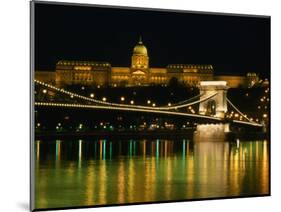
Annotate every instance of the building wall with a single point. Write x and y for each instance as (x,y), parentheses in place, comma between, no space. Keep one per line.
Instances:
(82,72)
(97,73)
(233,81)
(190,74)
(46,76)
(158,76)
(138,74)
(252,79)
(120,76)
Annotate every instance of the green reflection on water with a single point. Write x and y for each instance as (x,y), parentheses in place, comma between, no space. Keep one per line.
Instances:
(78,173)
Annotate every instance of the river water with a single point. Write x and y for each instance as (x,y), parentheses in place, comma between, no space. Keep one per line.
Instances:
(70,173)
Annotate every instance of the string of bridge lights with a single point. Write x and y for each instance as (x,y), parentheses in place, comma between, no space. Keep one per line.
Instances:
(50,104)
(122,108)
(169,107)
(126,106)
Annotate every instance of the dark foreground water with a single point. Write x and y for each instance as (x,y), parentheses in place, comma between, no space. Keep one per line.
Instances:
(72,173)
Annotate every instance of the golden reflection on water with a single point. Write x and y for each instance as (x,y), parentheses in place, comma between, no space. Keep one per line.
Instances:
(58,150)
(102,179)
(110,172)
(131,177)
(264,168)
(37,151)
(121,185)
(90,185)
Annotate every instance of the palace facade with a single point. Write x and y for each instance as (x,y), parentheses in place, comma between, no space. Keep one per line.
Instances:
(138,74)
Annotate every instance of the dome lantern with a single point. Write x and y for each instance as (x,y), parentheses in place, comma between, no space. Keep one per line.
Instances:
(140,49)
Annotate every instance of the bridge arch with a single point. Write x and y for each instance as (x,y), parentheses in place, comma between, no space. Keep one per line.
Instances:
(211,107)
(217,105)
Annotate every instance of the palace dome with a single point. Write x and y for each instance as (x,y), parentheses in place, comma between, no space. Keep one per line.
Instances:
(140,49)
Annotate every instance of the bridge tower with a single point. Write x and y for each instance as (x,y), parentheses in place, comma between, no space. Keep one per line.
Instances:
(217,105)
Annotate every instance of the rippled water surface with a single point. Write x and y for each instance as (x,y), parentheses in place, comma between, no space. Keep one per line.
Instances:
(95,172)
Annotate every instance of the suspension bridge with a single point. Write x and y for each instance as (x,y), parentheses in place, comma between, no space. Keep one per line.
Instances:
(212,100)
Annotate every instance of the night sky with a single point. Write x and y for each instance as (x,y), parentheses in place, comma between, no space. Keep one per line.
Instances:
(232,44)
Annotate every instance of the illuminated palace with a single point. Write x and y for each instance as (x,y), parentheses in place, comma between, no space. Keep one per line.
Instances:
(138,74)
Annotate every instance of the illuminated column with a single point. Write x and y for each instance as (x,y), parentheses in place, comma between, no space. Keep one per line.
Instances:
(217,105)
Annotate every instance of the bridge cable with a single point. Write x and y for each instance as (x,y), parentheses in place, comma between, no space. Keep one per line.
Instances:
(188,100)
(125,105)
(125,109)
(239,111)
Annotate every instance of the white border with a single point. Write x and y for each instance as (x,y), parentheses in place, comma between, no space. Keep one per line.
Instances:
(14,116)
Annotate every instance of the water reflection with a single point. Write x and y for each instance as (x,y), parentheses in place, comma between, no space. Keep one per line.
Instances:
(37,151)
(58,153)
(94,172)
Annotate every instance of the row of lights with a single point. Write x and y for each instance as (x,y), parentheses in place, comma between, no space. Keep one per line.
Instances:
(109,107)
(240,117)
(113,104)
(190,108)
(122,98)
(111,127)
(237,116)
(108,123)
(92,95)
(104,99)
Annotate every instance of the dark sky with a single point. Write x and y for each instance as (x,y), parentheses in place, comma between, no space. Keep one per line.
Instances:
(232,44)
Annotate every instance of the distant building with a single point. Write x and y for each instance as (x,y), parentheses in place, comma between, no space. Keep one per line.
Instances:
(138,74)
(233,81)
(252,79)
(82,72)
(46,76)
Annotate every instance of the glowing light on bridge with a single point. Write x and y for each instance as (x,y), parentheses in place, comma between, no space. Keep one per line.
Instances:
(139,110)
(149,109)
(172,107)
